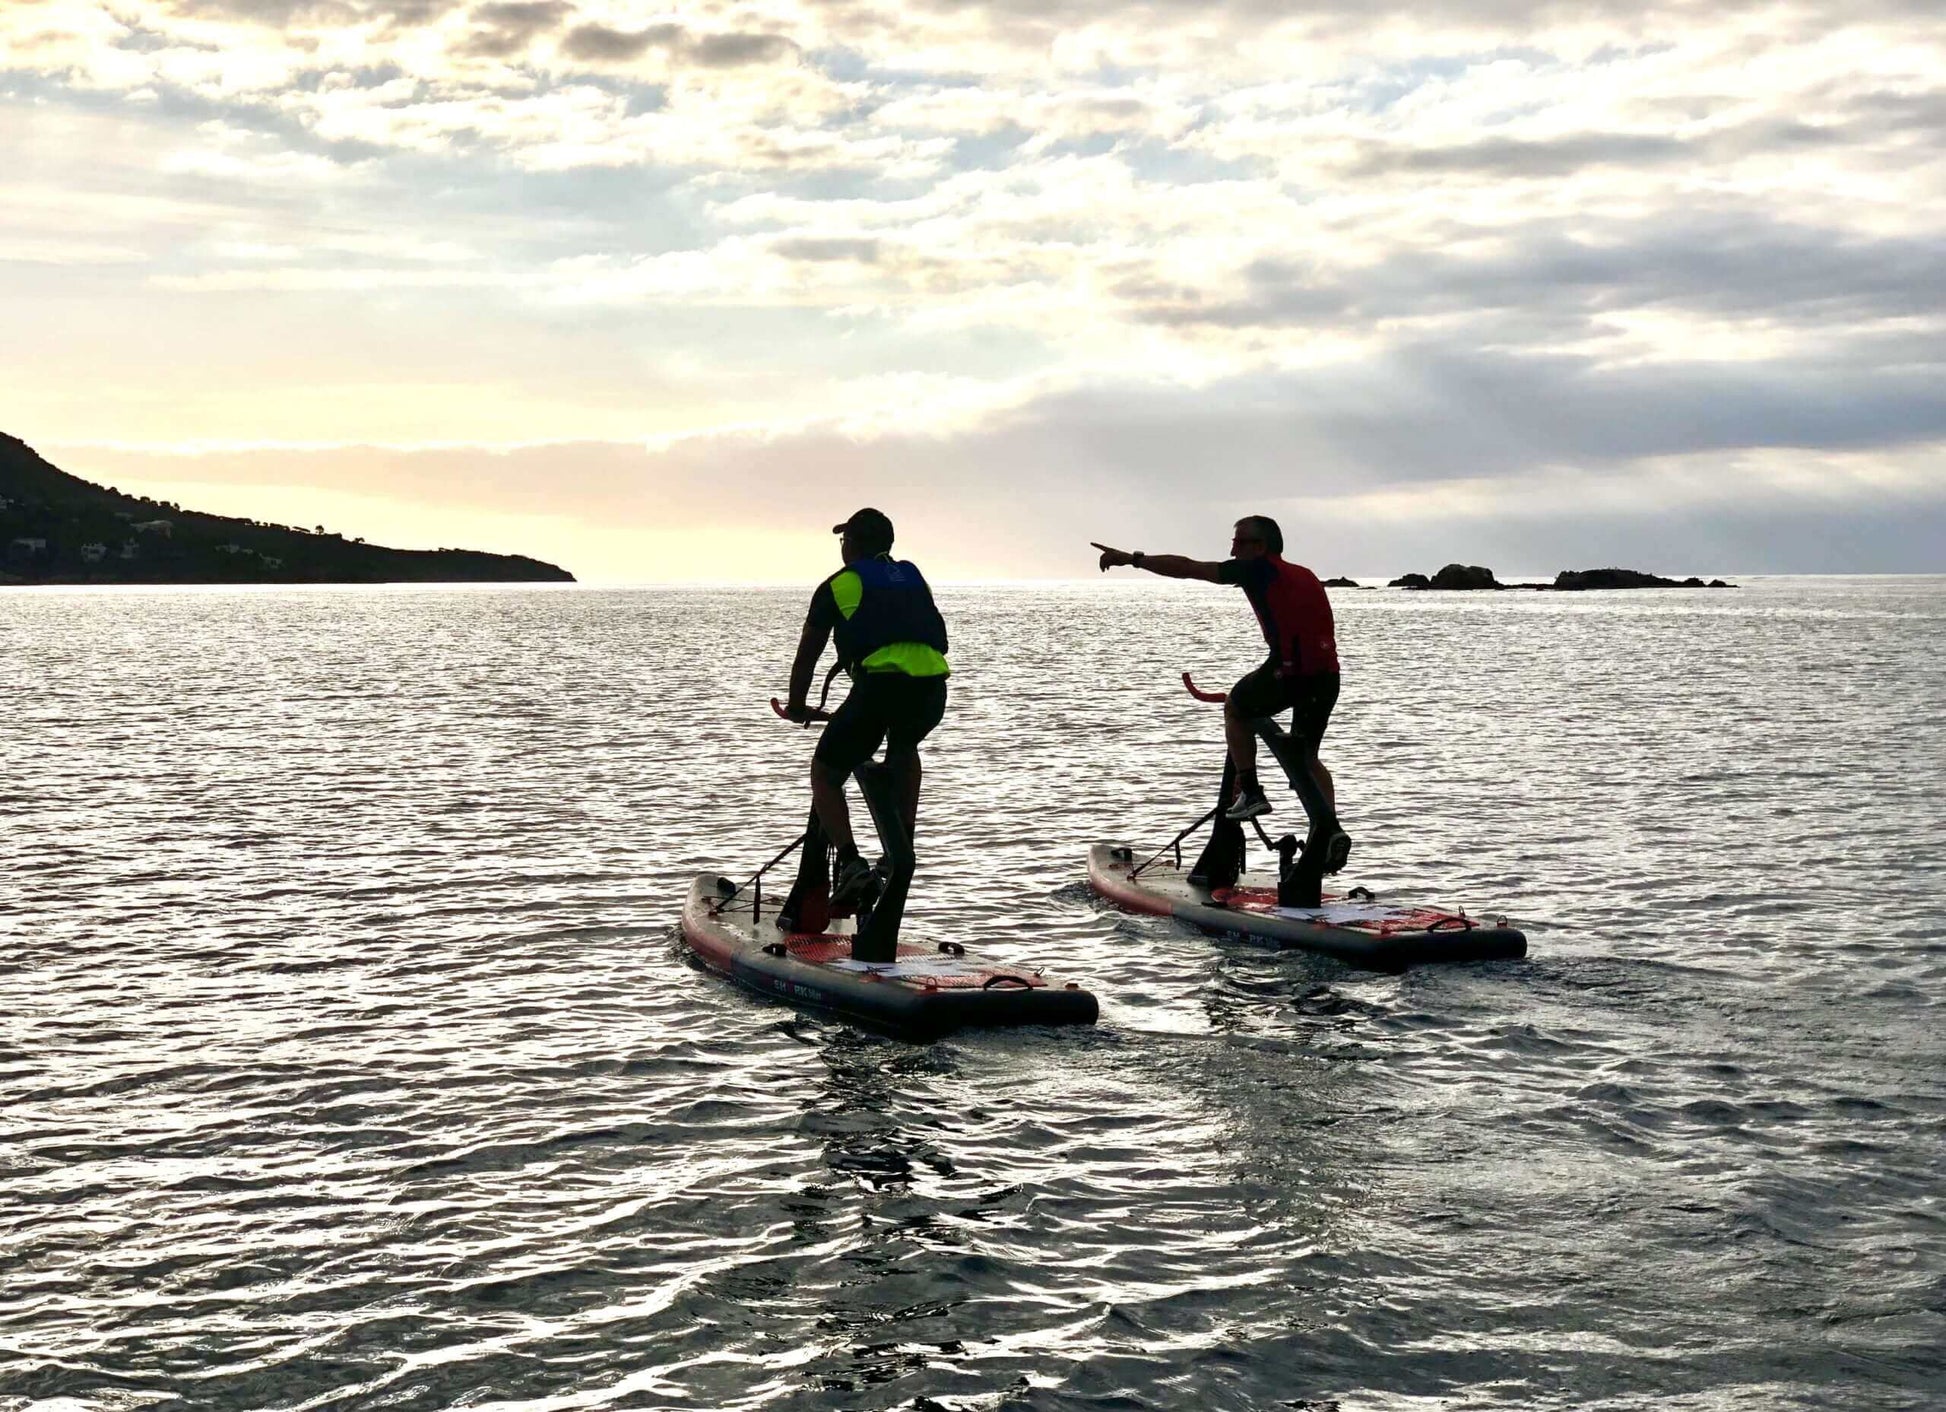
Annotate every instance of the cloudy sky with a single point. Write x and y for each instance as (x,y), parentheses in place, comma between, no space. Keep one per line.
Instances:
(661,293)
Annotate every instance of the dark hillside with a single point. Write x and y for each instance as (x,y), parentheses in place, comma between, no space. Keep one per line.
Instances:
(58,528)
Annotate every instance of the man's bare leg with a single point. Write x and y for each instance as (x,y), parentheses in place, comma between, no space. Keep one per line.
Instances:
(1325,782)
(828,798)
(1243,745)
(907,773)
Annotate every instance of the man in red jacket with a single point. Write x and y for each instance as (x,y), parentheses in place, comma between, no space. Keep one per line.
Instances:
(1300,675)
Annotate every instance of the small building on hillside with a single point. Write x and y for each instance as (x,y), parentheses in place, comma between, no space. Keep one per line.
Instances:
(161,527)
(94,553)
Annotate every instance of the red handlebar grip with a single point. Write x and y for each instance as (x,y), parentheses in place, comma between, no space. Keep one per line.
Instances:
(1214,697)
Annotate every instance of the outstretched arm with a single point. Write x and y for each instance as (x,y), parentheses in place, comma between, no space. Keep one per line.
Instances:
(1170,566)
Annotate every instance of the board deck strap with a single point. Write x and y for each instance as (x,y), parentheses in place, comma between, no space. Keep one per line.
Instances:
(1362,932)
(924,994)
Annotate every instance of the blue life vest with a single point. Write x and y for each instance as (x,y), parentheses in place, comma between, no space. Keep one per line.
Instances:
(883,604)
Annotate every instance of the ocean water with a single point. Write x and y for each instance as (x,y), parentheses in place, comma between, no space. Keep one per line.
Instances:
(349,1058)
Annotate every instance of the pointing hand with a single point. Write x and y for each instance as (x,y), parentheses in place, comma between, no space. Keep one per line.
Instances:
(1111,558)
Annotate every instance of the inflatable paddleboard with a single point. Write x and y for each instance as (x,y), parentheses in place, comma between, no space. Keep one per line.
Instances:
(928,992)
(1354,927)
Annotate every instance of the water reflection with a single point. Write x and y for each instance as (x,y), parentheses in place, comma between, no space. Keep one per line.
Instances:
(344,1061)
(886,1305)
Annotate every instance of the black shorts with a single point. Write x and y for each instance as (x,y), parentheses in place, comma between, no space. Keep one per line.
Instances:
(1265,692)
(881,706)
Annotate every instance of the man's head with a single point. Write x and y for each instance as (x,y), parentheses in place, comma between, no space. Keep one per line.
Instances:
(1256,536)
(866,533)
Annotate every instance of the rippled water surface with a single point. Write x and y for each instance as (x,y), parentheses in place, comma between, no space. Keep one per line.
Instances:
(348,1057)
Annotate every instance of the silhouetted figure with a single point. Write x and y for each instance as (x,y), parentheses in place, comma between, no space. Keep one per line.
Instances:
(892,642)
(1300,675)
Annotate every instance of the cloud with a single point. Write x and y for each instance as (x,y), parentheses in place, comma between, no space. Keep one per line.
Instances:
(818,249)
(1707,266)
(1420,250)
(600,44)
(729,51)
(632,515)
(503,30)
(281,14)
(1410,449)
(1522,158)
(1433,413)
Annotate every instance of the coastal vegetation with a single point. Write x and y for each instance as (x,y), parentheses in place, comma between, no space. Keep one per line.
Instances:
(59,528)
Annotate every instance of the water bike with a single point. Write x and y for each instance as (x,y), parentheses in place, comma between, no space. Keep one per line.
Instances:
(1291,909)
(847,959)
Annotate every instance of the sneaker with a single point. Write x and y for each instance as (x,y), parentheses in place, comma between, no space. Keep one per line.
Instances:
(1337,852)
(853,873)
(1250,804)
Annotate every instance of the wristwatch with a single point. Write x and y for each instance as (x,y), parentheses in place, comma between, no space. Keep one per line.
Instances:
(1136,558)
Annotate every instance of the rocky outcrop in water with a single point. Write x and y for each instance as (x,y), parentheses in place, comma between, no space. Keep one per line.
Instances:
(1469,576)
(1453,576)
(1579,580)
(58,528)
(1464,576)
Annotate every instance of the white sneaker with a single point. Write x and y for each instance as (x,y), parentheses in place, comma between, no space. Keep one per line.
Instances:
(1249,804)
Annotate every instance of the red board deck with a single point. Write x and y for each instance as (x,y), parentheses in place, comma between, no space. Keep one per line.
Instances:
(928,992)
(1363,932)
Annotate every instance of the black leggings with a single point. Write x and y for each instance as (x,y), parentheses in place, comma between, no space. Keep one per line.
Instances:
(881,706)
(1310,699)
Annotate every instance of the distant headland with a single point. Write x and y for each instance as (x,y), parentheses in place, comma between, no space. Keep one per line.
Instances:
(1457,577)
(56,528)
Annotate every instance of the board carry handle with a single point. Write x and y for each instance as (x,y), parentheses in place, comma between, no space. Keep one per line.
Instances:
(1002,978)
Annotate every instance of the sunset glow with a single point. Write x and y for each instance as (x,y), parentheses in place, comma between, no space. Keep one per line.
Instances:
(655,292)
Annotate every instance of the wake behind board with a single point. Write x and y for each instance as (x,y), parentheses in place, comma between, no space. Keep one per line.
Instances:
(926,993)
(1361,931)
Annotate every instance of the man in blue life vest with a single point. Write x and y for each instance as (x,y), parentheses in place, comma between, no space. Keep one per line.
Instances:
(1299,676)
(892,642)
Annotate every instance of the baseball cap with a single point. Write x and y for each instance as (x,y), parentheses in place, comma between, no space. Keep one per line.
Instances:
(868,526)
